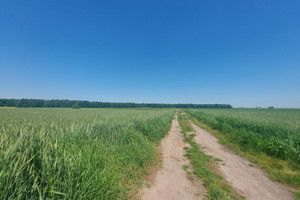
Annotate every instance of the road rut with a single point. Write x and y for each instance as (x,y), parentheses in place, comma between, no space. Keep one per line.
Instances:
(172,182)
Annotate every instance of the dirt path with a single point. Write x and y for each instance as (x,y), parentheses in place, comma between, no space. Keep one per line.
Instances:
(251,182)
(171,182)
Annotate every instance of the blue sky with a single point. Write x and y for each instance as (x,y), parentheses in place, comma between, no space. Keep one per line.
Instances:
(244,53)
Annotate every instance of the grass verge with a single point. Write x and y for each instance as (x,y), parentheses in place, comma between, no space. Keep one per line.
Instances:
(205,167)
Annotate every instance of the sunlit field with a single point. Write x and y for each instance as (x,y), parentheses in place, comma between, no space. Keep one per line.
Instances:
(77,153)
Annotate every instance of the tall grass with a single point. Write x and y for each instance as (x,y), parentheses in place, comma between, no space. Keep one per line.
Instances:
(77,154)
(275,132)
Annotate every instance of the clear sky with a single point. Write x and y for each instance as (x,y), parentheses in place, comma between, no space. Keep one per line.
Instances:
(244,53)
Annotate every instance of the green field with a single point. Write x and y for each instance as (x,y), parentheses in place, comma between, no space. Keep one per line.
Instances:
(269,137)
(96,153)
(77,154)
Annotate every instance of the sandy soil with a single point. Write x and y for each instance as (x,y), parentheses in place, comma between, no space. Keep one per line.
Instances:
(172,182)
(249,181)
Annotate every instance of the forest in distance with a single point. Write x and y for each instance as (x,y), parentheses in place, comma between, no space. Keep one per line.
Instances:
(55,103)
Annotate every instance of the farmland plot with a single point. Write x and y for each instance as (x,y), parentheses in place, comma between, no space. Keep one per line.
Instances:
(77,154)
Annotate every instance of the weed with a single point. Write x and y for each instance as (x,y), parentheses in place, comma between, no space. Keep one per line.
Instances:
(217,159)
(185,167)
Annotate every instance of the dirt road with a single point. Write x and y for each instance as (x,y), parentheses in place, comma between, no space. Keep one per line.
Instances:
(172,182)
(251,182)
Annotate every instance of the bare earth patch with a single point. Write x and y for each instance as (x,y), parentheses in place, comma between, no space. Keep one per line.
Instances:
(246,179)
(172,182)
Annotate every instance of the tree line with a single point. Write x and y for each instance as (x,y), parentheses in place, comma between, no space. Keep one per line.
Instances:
(40,103)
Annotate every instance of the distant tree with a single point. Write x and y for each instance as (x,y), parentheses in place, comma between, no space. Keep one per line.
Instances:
(23,103)
(56,103)
(37,103)
(76,106)
(270,107)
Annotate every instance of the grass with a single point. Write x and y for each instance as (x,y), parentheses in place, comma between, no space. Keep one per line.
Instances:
(218,159)
(185,167)
(77,153)
(265,137)
(205,167)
